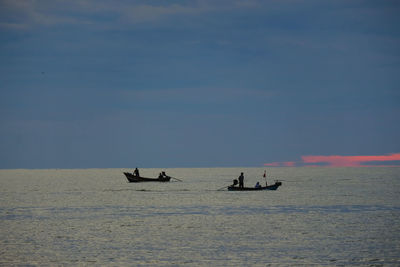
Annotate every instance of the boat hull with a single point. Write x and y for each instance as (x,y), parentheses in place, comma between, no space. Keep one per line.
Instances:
(269,187)
(138,179)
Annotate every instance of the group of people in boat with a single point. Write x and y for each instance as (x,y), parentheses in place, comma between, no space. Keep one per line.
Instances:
(240,181)
(160,176)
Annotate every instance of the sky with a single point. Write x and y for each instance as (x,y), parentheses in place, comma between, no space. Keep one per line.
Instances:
(207,83)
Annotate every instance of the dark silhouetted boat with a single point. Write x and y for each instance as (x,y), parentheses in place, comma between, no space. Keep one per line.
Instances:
(268,187)
(138,179)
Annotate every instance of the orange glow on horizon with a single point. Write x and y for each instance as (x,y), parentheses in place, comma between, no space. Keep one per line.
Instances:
(349,161)
(339,161)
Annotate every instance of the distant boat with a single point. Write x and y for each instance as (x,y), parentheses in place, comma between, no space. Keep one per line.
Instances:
(138,179)
(268,187)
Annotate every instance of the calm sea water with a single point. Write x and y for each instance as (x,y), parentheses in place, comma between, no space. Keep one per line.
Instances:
(319,216)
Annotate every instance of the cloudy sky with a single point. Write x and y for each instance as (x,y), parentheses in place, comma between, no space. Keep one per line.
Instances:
(207,83)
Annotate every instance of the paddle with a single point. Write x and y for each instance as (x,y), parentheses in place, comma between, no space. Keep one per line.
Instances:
(222,188)
(176,179)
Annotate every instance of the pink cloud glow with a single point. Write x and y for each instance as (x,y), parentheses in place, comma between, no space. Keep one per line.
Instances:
(339,161)
(349,161)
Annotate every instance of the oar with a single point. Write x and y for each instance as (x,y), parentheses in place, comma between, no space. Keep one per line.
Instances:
(222,188)
(176,179)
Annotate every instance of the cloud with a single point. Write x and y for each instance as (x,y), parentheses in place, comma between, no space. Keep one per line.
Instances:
(148,13)
(350,161)
(342,161)
(25,14)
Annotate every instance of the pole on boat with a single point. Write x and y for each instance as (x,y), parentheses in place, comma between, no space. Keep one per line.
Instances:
(176,179)
(265,177)
(222,188)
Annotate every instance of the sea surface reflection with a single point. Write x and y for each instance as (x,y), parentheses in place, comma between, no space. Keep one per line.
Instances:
(320,216)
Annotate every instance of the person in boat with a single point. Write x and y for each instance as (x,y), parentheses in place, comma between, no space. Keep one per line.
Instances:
(162,175)
(257,185)
(241,180)
(235,182)
(136,172)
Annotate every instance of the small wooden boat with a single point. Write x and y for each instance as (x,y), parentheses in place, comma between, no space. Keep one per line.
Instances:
(268,187)
(138,179)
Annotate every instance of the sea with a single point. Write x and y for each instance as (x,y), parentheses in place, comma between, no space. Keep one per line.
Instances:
(320,216)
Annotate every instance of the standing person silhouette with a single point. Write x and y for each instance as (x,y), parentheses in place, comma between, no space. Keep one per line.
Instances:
(241,180)
(136,172)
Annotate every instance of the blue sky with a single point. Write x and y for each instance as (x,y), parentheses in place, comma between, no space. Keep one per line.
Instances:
(99,84)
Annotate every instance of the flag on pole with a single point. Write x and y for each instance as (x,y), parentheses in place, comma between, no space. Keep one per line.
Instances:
(265,173)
